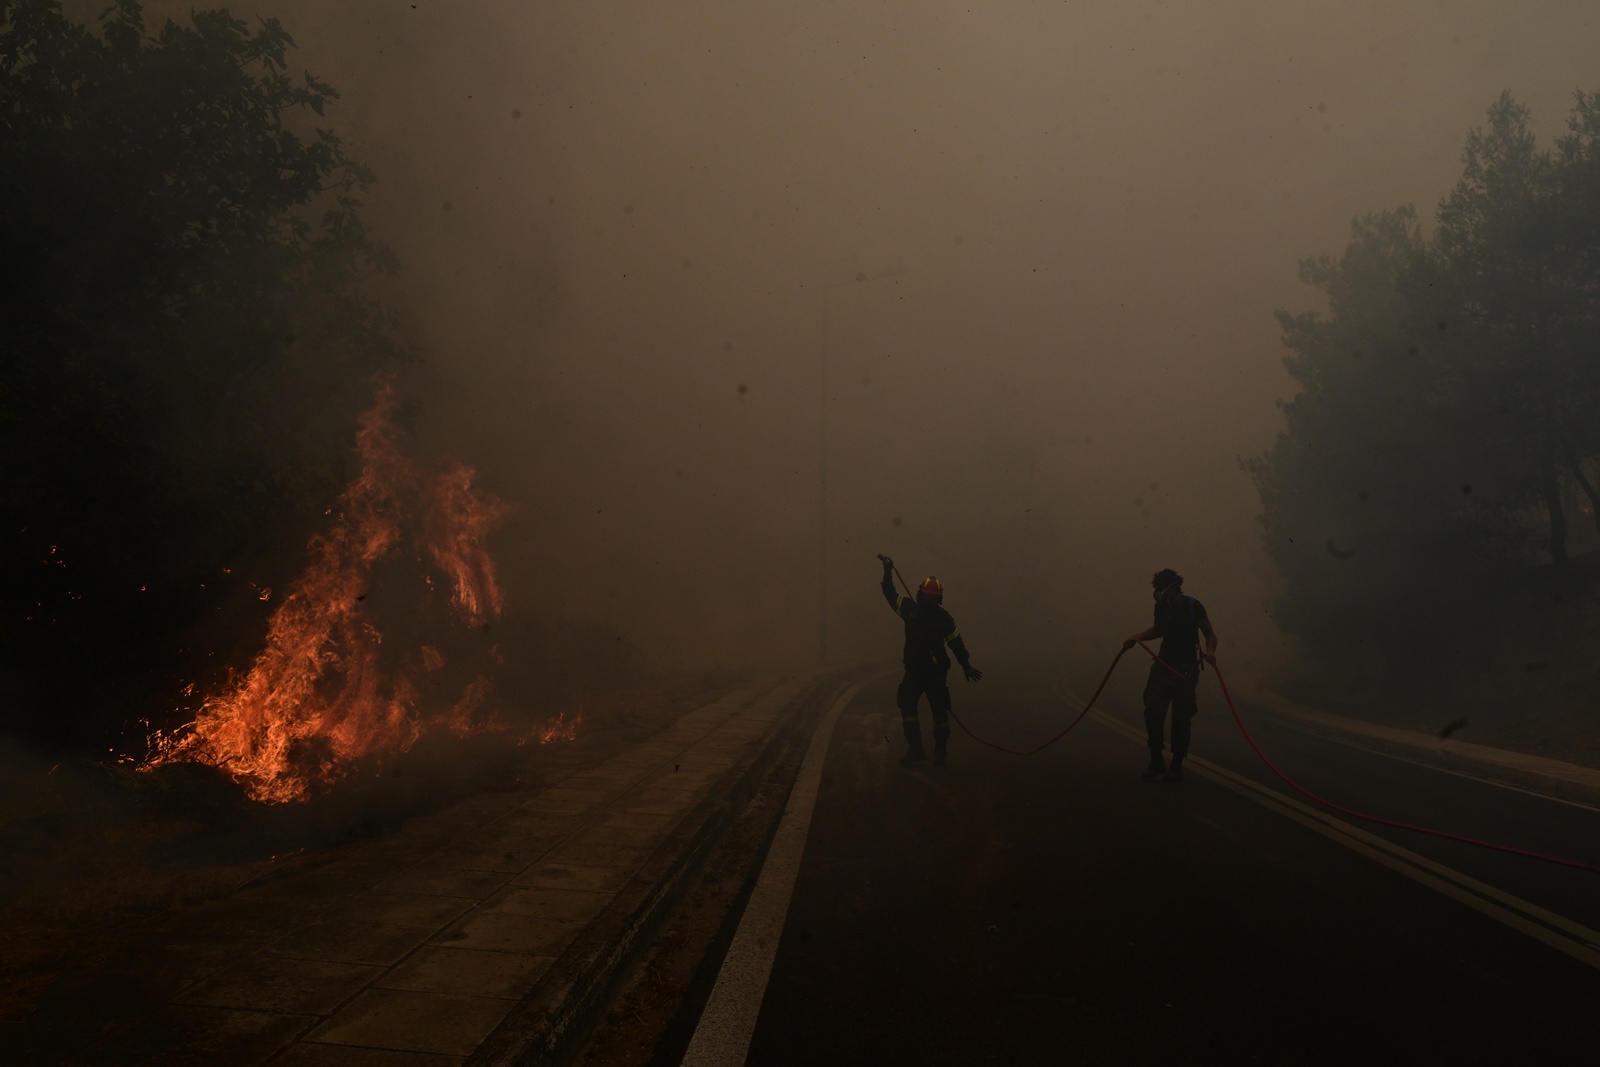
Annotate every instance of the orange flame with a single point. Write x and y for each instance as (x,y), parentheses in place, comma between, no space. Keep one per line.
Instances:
(560,728)
(319,697)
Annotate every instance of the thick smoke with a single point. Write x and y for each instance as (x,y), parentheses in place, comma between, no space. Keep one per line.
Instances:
(633,237)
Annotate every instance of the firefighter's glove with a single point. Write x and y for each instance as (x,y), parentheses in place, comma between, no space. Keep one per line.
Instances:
(973,673)
(1129,643)
(888,564)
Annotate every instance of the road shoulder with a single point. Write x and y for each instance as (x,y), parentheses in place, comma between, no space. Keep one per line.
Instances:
(1547,777)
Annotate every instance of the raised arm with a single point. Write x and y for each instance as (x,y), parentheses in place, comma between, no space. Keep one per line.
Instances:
(896,602)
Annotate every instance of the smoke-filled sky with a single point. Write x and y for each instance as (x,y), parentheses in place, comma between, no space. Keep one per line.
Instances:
(633,234)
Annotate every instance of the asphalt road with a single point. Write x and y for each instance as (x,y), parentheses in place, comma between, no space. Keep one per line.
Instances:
(1057,909)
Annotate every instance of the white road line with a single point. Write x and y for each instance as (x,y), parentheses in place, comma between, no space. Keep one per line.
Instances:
(1560,933)
(1348,742)
(722,1037)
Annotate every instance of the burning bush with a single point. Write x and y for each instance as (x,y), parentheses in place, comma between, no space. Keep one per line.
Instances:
(381,640)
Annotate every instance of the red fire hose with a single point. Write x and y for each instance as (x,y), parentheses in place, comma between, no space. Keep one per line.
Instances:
(1363,816)
(1290,782)
(1040,747)
(1057,737)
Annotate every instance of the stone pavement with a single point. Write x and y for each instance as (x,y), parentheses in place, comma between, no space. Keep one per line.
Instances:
(1536,774)
(493,942)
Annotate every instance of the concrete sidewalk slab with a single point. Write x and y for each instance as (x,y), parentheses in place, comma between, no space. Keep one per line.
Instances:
(1536,774)
(492,930)
(551,1021)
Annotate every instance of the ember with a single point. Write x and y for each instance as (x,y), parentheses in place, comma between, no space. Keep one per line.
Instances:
(326,693)
(560,728)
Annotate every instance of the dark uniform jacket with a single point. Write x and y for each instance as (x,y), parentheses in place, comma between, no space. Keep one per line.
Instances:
(1179,625)
(928,629)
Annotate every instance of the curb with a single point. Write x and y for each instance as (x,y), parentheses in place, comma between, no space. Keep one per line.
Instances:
(1547,777)
(551,1022)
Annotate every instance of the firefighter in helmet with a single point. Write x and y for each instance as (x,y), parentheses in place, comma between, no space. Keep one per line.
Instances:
(928,629)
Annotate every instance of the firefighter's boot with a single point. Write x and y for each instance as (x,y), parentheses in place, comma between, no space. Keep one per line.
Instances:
(1156,769)
(913,731)
(1174,773)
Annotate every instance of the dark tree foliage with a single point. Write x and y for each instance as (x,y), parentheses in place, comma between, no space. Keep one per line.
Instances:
(1500,234)
(186,339)
(1448,412)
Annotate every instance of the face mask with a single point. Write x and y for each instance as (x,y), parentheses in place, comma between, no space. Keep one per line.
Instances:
(1161,594)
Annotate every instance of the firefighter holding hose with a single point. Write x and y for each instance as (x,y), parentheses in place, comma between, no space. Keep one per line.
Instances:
(1179,622)
(929,628)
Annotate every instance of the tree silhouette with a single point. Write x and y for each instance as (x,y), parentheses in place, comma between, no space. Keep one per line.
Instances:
(1448,410)
(188,333)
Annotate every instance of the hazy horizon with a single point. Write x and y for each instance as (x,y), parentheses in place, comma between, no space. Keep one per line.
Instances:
(620,226)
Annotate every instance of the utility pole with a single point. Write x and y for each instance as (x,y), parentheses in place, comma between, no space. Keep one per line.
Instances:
(822,484)
(822,456)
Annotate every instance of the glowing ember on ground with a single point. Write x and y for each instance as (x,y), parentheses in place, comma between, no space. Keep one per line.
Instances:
(326,691)
(560,728)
